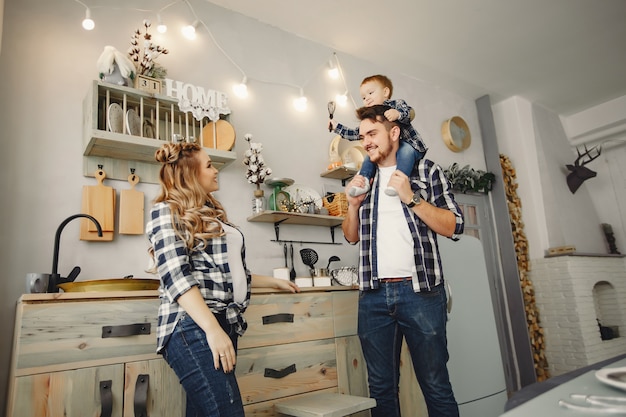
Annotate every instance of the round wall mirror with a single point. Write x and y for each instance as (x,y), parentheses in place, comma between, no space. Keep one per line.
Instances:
(456,134)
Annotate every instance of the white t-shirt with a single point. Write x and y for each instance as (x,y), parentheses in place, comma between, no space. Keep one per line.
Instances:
(234,244)
(394,243)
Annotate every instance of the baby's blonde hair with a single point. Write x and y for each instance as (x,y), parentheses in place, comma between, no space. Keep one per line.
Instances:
(382,79)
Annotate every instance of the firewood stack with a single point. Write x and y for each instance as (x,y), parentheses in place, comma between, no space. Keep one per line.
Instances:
(523,265)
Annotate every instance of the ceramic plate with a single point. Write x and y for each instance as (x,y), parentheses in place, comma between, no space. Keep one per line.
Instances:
(615,377)
(353,157)
(133,123)
(115,118)
(333,152)
(148,129)
(302,192)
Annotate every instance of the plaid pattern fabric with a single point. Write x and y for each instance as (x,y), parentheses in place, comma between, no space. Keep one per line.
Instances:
(206,268)
(407,131)
(429,179)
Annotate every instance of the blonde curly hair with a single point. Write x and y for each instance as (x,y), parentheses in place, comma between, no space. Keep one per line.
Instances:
(195,213)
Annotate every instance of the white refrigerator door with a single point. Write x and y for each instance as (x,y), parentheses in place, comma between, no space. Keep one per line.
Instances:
(475,365)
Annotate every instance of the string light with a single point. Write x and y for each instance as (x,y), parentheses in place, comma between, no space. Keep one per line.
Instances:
(300,103)
(161,27)
(240,90)
(189,31)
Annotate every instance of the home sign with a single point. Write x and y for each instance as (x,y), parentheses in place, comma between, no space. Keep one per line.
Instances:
(200,102)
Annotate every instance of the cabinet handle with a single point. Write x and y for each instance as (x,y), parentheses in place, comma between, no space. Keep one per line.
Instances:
(278,318)
(125,330)
(106,398)
(273,373)
(141,395)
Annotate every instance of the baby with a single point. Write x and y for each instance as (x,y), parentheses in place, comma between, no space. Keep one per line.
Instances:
(377,89)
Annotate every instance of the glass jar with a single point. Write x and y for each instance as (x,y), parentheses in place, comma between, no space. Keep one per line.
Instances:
(258,202)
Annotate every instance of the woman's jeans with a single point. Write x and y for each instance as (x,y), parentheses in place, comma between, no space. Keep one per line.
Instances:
(210,391)
(388,314)
(406,158)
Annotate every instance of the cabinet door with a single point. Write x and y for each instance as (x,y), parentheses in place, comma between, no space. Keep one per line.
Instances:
(154,387)
(74,393)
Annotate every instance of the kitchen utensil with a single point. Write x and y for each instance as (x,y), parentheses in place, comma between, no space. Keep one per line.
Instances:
(131,209)
(309,258)
(278,196)
(99,202)
(285,253)
(292,273)
(218,135)
(115,284)
(346,275)
(331,113)
(332,259)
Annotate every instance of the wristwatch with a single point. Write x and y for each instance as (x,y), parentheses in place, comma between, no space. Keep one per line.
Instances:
(417,199)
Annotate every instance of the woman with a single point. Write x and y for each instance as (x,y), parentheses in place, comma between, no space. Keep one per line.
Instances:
(205,285)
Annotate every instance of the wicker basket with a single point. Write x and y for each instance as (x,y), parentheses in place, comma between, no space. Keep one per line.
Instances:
(337,204)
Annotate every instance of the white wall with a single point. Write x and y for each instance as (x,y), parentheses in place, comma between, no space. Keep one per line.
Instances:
(47,65)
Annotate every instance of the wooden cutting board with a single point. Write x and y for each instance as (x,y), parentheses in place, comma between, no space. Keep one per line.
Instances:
(220,133)
(131,209)
(99,202)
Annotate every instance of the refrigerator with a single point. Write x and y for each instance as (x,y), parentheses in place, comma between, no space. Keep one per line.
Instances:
(475,365)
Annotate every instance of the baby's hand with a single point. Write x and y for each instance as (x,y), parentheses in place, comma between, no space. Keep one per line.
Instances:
(392,115)
(331,125)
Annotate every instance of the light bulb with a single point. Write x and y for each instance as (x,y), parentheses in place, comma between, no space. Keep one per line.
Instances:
(189,31)
(341,99)
(241,90)
(300,103)
(161,27)
(333,71)
(88,24)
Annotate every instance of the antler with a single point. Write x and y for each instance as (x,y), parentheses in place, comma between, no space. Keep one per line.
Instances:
(588,153)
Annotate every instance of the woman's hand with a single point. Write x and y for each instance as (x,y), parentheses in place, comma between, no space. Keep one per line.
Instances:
(223,350)
(264,281)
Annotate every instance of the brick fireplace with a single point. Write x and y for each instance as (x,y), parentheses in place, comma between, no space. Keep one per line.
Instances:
(573,292)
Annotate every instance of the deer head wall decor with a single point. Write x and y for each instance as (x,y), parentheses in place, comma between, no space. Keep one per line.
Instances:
(579,172)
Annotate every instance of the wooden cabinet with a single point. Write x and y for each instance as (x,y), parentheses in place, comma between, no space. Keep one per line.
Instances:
(78,354)
(299,344)
(123,127)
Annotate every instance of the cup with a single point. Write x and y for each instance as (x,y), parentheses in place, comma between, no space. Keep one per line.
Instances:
(37,283)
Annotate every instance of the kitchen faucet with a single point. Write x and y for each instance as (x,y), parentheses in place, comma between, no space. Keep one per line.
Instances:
(55,278)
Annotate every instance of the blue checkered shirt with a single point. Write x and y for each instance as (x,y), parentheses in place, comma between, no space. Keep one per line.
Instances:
(179,271)
(407,131)
(429,179)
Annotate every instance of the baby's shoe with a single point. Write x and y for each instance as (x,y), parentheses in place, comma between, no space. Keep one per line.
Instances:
(357,191)
(390,191)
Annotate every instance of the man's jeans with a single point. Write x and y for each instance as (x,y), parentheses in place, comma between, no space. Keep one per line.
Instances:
(388,314)
(210,391)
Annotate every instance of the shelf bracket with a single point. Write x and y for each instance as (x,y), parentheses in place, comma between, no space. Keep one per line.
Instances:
(277,233)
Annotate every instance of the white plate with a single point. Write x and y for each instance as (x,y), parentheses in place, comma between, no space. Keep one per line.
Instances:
(148,129)
(133,123)
(115,118)
(615,377)
(333,151)
(302,192)
(353,157)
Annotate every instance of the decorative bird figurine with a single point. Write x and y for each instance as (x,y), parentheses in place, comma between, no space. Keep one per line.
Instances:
(115,67)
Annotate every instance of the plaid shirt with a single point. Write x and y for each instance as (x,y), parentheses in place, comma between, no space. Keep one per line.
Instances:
(429,179)
(179,271)
(407,131)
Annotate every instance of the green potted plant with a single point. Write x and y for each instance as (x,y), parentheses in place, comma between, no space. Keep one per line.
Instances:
(467,179)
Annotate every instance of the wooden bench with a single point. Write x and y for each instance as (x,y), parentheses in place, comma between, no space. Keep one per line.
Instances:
(325,405)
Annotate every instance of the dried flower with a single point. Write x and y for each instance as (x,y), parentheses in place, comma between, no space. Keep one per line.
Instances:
(252,158)
(143,52)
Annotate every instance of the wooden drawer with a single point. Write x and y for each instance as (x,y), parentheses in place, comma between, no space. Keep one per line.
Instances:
(71,332)
(274,319)
(268,373)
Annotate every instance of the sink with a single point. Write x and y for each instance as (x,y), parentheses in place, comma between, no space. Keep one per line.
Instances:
(114,284)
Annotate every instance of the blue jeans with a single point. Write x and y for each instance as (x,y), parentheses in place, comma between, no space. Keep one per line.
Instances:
(406,157)
(388,314)
(210,391)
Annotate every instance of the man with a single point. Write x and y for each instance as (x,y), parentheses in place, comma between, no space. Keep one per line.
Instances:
(401,280)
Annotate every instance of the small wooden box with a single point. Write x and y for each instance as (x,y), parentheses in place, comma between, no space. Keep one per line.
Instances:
(149,84)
